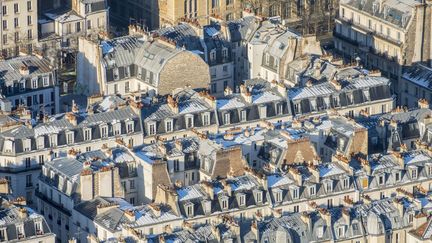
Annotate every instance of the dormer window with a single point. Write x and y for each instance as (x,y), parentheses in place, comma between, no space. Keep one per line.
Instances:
(429,169)
(341,231)
(189,121)
(212,55)
(168,125)
(69,137)
(277,195)
(329,186)
(279,109)
(263,111)
(151,127)
(20,231)
(207,206)
(398,176)
(225,52)
(345,183)
(116,128)
(241,199)
(226,118)
(34,83)
(87,134)
(116,73)
(3,234)
(26,144)
(38,227)
(258,196)
(312,190)
(22,85)
(224,202)
(414,173)
(189,208)
(206,118)
(53,139)
(295,193)
(243,116)
(130,126)
(8,146)
(40,142)
(103,130)
(45,81)
(381,179)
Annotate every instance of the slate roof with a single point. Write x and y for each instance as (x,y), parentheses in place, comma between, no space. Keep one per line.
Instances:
(419,75)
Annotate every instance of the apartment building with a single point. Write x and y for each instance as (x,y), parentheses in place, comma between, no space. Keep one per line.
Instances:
(30,82)
(415,84)
(26,147)
(132,64)
(201,12)
(19,28)
(378,33)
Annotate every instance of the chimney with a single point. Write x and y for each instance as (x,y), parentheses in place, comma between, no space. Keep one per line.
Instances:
(254,229)
(173,104)
(296,175)
(399,206)
(245,94)
(22,213)
(216,233)
(156,209)
(71,118)
(130,214)
(208,188)
(24,69)
(346,215)
(336,84)
(325,214)
(103,207)
(210,100)
(419,220)
(306,219)
(75,108)
(4,186)
(228,91)
(423,104)
(179,145)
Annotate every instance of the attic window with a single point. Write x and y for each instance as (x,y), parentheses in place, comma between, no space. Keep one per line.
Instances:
(45,81)
(130,126)
(413,173)
(345,182)
(312,190)
(341,231)
(189,209)
(278,195)
(381,179)
(295,193)
(242,199)
(258,196)
(329,186)
(224,203)
(3,234)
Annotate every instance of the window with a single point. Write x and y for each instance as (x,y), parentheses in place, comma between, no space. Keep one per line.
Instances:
(152,129)
(88,24)
(279,109)
(127,89)
(341,231)
(16,36)
(168,126)
(29,6)
(16,22)
(296,208)
(346,183)
(29,34)
(16,8)
(381,179)
(329,186)
(45,81)
(189,121)
(258,196)
(29,182)
(278,195)
(87,134)
(70,137)
(226,119)
(104,131)
(224,203)
(4,10)
(330,203)
(243,116)
(176,165)
(130,127)
(225,68)
(53,140)
(5,38)
(242,200)
(41,159)
(312,190)
(189,210)
(115,88)
(132,184)
(5,25)
(414,173)
(397,176)
(295,193)
(206,119)
(263,111)
(27,162)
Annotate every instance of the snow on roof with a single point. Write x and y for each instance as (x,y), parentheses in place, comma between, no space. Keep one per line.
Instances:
(189,193)
(330,170)
(265,97)
(278,180)
(413,158)
(230,103)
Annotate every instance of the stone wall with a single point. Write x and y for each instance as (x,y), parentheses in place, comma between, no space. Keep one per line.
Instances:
(184,69)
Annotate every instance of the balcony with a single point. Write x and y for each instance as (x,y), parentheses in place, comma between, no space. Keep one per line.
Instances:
(58,206)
